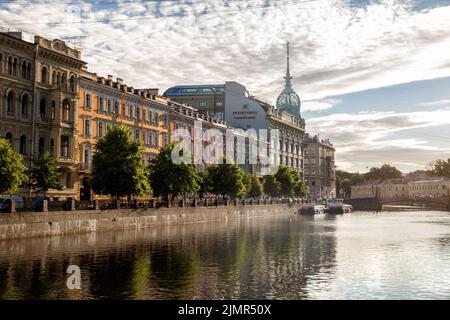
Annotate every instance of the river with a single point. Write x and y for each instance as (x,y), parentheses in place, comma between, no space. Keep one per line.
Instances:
(388,255)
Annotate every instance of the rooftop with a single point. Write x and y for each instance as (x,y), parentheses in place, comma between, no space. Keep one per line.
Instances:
(195,90)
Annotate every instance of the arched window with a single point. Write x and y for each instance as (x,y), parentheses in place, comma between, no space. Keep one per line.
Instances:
(54,80)
(42,109)
(23,144)
(44,75)
(66,110)
(24,105)
(10,102)
(63,81)
(53,111)
(52,146)
(15,66)
(10,65)
(29,71)
(72,83)
(9,137)
(1,62)
(24,70)
(41,145)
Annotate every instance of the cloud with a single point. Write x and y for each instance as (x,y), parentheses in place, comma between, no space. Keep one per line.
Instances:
(369,139)
(437,103)
(335,48)
(318,105)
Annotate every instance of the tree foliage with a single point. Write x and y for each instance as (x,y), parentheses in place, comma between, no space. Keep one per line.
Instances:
(440,168)
(384,172)
(272,186)
(168,178)
(117,165)
(255,187)
(12,171)
(44,176)
(226,179)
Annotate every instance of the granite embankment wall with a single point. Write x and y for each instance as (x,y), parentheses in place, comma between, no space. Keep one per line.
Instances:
(34,224)
(365,204)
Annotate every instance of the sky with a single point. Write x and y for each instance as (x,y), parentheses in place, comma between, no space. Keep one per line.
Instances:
(373,76)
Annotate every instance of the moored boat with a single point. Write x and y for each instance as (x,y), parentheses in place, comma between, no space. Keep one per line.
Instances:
(339,208)
(311,208)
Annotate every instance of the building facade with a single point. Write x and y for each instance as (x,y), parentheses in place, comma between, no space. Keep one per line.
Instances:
(403,189)
(105,103)
(319,167)
(39,88)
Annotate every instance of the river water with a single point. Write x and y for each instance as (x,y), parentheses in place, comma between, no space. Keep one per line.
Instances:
(389,255)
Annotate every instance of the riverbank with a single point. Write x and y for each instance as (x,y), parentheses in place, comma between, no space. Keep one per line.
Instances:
(37,224)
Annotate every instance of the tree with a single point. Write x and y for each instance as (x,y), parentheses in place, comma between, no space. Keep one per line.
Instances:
(117,165)
(44,176)
(255,188)
(226,179)
(285,177)
(299,188)
(384,172)
(168,178)
(440,168)
(12,171)
(272,186)
(346,187)
(350,178)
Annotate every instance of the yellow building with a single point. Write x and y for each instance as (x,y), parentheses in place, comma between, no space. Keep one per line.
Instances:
(105,103)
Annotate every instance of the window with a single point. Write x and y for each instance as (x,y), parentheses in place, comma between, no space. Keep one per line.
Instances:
(137,135)
(72,83)
(65,146)
(87,154)
(41,148)
(10,65)
(100,105)
(9,137)
(149,116)
(108,110)
(66,111)
(100,129)
(10,102)
(87,128)
(15,67)
(29,71)
(219,115)
(23,144)
(138,113)
(219,104)
(44,75)
(42,109)
(52,146)
(124,110)
(87,102)
(165,139)
(144,138)
(156,118)
(130,114)
(24,70)
(166,120)
(157,139)
(150,138)
(53,110)
(202,104)
(116,108)
(24,109)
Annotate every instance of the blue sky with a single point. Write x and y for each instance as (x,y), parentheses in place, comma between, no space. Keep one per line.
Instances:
(373,76)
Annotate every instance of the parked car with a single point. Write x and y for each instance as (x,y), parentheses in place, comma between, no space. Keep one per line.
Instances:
(37,202)
(5,200)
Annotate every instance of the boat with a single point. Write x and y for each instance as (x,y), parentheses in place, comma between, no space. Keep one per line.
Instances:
(311,209)
(339,208)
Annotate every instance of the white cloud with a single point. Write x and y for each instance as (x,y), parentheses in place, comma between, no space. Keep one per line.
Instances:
(318,105)
(437,103)
(336,48)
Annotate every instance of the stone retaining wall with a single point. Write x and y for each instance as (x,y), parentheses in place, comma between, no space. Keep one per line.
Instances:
(34,224)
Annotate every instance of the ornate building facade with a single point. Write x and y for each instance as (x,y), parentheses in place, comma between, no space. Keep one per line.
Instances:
(320,169)
(39,85)
(105,103)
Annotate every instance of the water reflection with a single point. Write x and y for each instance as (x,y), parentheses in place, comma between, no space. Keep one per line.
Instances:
(289,257)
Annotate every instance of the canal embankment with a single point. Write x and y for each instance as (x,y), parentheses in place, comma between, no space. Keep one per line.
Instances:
(37,224)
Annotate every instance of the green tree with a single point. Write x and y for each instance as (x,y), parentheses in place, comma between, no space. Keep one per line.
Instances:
(170,179)
(299,188)
(44,176)
(117,165)
(272,186)
(12,171)
(226,179)
(384,172)
(346,187)
(285,177)
(255,188)
(440,168)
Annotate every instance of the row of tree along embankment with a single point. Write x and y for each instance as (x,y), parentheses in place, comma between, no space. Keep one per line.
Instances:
(34,224)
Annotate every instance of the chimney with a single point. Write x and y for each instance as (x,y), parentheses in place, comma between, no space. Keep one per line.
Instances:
(119,81)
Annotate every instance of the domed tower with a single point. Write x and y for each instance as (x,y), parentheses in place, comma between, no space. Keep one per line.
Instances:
(288,100)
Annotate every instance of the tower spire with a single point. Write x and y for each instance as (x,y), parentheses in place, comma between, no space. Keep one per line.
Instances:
(288,77)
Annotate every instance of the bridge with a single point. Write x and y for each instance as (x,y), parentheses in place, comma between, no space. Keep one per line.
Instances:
(376,204)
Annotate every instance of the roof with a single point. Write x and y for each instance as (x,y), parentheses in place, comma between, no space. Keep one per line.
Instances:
(195,90)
